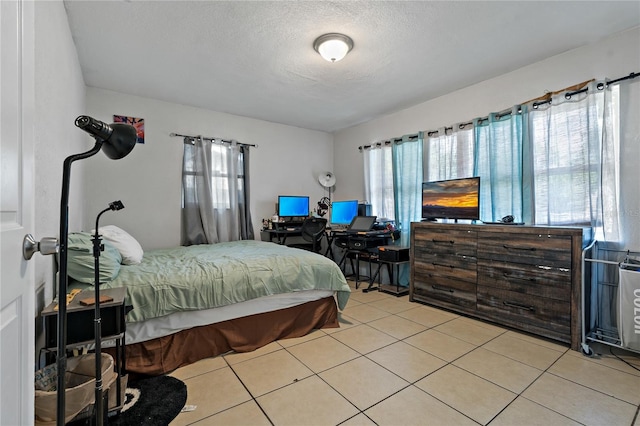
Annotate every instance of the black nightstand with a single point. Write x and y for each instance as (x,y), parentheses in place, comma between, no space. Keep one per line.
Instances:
(80,325)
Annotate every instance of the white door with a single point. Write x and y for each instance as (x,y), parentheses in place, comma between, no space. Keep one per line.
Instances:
(17,346)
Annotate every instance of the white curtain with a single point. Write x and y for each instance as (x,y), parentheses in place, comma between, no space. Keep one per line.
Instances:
(378,180)
(215,192)
(448,153)
(574,151)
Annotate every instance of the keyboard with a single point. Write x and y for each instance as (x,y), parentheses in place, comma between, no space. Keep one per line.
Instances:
(374,233)
(292,223)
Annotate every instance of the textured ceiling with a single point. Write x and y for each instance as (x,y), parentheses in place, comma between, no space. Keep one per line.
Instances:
(256,59)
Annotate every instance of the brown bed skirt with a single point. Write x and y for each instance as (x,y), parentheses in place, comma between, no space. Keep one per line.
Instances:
(245,334)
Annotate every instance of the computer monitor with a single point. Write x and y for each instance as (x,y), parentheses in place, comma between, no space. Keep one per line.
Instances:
(342,212)
(293,206)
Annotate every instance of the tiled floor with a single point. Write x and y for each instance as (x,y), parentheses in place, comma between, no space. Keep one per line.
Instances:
(393,362)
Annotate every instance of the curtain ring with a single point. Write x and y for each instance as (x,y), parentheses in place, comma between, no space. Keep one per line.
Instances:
(600,86)
(567,96)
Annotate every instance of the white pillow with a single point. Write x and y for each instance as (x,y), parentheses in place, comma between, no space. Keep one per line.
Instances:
(129,248)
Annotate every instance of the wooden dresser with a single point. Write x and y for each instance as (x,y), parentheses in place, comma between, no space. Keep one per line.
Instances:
(524,277)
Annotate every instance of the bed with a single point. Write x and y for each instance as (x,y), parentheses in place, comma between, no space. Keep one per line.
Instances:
(190,303)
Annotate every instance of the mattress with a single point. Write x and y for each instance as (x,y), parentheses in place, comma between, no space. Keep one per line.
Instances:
(201,277)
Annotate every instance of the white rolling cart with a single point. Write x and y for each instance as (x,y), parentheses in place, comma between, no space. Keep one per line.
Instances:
(610,298)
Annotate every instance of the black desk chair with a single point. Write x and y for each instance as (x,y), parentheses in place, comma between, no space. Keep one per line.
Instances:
(313,230)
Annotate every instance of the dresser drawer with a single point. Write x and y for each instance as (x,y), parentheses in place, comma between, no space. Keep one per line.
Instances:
(445,242)
(462,267)
(432,288)
(525,311)
(539,281)
(533,249)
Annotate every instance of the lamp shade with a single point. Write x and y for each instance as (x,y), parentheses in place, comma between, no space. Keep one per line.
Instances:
(333,47)
(117,139)
(121,142)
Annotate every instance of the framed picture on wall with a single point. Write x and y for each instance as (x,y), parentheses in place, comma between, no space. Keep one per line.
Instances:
(138,123)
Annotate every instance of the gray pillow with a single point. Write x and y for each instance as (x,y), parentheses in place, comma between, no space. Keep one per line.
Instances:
(80,259)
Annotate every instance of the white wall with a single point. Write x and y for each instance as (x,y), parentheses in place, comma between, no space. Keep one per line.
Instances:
(286,161)
(614,57)
(60,98)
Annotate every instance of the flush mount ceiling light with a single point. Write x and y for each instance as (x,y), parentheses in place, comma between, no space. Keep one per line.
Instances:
(333,46)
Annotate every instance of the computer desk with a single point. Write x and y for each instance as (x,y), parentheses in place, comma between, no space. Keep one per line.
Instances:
(358,244)
(333,233)
(281,234)
(330,234)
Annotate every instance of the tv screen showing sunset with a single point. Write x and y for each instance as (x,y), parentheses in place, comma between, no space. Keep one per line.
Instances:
(451,199)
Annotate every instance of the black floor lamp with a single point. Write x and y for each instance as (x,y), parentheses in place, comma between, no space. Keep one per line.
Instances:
(98,406)
(116,140)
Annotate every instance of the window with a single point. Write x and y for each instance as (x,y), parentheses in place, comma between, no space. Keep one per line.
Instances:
(564,173)
(449,154)
(378,169)
(220,182)
(546,162)
(215,192)
(568,158)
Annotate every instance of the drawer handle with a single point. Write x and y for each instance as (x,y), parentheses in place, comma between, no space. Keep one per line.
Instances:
(507,275)
(519,248)
(443,265)
(519,306)
(436,287)
(443,241)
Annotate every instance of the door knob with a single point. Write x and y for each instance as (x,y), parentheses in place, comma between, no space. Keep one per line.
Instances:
(46,246)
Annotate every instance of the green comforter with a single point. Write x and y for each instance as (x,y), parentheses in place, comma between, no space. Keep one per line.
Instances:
(208,276)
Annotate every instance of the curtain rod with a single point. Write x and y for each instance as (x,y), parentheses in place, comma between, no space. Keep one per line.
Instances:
(600,86)
(460,126)
(535,105)
(509,111)
(210,139)
(389,142)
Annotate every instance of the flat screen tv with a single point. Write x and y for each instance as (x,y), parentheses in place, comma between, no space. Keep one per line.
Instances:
(342,212)
(293,206)
(451,199)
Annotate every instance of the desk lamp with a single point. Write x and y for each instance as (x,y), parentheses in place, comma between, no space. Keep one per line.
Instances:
(327,180)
